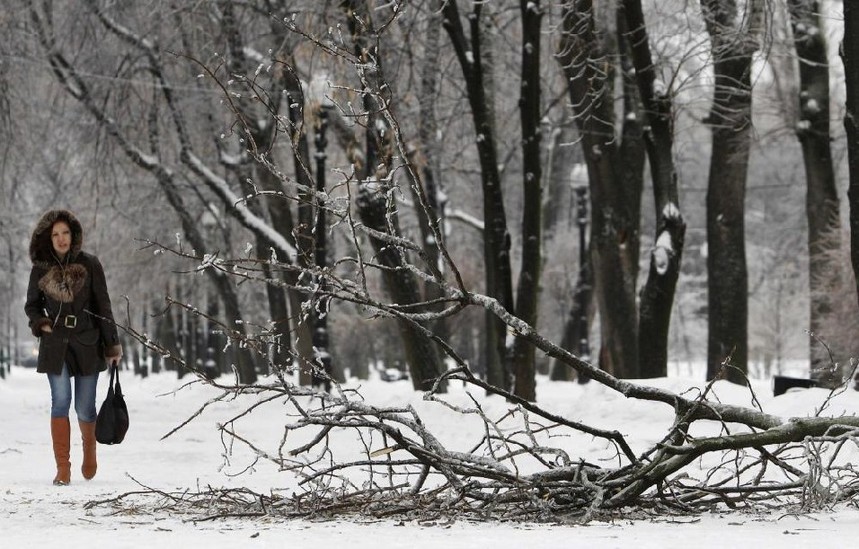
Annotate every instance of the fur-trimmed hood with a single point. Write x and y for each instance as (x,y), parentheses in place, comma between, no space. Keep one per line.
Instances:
(41,248)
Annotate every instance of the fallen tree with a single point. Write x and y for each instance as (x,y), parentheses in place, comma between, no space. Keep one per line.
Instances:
(518,466)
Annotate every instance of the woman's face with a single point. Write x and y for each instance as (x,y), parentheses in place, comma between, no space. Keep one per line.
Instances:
(61,238)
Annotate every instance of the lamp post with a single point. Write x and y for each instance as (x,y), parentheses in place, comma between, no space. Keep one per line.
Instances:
(584,352)
(206,358)
(320,322)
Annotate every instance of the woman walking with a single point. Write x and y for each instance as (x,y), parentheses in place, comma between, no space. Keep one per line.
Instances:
(69,310)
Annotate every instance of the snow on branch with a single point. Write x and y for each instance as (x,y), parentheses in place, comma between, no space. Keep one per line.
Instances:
(237,205)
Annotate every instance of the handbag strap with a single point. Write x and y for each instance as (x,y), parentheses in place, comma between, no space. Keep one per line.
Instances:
(116,386)
(114,370)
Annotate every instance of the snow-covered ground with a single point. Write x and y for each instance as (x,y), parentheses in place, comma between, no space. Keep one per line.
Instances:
(34,513)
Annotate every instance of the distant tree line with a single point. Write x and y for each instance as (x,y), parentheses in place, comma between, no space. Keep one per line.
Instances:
(365,159)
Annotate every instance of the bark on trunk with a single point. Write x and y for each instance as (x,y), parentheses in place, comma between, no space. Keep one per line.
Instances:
(731,125)
(587,64)
(850,58)
(261,138)
(496,251)
(377,213)
(657,297)
(822,204)
(532,240)
(245,365)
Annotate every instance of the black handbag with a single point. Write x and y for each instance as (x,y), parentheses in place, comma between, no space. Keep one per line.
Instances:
(112,421)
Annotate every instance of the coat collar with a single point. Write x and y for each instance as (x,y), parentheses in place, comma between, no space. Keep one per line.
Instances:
(63,283)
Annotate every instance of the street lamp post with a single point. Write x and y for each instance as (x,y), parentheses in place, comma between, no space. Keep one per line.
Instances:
(584,352)
(206,358)
(320,323)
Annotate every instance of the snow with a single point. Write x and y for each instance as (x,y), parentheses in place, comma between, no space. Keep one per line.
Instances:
(34,513)
(662,252)
(579,174)
(671,211)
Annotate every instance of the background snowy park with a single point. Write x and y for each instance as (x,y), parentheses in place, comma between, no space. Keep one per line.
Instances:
(33,513)
(198,139)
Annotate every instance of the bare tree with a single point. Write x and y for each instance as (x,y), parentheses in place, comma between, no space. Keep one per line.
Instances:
(254,160)
(427,155)
(587,51)
(157,152)
(476,70)
(261,100)
(733,45)
(657,296)
(822,204)
(527,289)
(850,58)
(375,172)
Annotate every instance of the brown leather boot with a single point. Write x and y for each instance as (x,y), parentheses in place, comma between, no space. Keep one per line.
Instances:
(89,465)
(61,436)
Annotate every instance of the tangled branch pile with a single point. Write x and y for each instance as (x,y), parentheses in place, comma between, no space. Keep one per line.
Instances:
(351,457)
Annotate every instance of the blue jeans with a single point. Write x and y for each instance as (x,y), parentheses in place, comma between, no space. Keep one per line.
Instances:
(61,395)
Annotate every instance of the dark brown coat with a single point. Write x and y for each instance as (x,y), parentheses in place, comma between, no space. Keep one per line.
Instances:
(70,296)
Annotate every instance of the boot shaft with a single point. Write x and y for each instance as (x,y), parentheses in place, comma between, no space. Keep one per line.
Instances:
(90,465)
(61,438)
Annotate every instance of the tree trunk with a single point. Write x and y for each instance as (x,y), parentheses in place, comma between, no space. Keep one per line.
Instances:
(731,125)
(532,240)
(850,58)
(428,158)
(167,330)
(376,213)
(822,204)
(587,64)
(657,296)
(244,364)
(302,345)
(261,141)
(321,334)
(496,249)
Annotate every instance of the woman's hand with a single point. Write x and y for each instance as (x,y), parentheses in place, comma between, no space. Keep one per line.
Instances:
(113,355)
(46,328)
